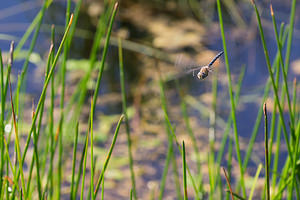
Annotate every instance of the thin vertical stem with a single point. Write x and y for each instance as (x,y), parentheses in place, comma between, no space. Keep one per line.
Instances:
(124,106)
(267,152)
(101,177)
(237,146)
(184,171)
(272,80)
(72,195)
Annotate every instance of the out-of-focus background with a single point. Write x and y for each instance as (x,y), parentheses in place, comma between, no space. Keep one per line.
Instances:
(156,35)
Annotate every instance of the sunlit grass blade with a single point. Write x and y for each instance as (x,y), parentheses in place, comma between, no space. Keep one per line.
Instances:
(124,106)
(108,155)
(237,146)
(283,186)
(255,181)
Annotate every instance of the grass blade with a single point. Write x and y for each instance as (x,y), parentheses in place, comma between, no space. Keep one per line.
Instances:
(108,155)
(255,181)
(282,68)
(184,171)
(44,93)
(72,194)
(267,177)
(124,106)
(19,156)
(237,147)
(272,79)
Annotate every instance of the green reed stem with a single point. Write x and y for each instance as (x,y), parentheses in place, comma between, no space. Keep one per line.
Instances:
(72,194)
(92,156)
(274,115)
(37,162)
(81,89)
(255,181)
(184,172)
(51,117)
(282,67)
(108,156)
(175,172)
(272,79)
(231,99)
(260,111)
(62,99)
(85,156)
(229,162)
(288,50)
(267,177)
(296,159)
(229,121)
(102,191)
(2,127)
(165,171)
(43,94)
(104,53)
(212,134)
(37,134)
(290,36)
(19,156)
(124,106)
(295,99)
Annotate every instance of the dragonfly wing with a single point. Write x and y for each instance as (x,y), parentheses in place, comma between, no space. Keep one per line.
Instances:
(186,65)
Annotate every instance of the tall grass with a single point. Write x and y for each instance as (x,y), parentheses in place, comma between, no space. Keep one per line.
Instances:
(44,179)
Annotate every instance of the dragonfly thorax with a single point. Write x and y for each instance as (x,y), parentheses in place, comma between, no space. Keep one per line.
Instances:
(203,73)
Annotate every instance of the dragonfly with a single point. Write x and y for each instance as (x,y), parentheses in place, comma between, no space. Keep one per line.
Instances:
(203,70)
